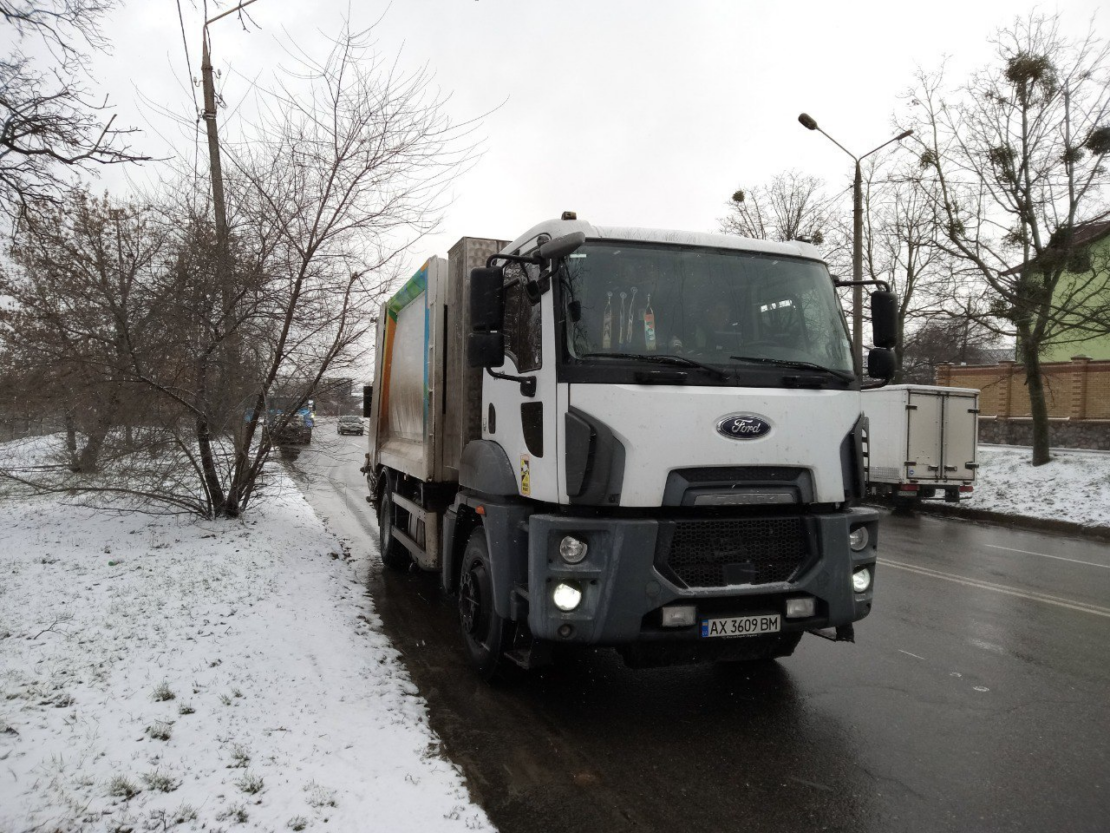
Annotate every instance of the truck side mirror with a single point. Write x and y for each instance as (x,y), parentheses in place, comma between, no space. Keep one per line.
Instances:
(881,363)
(487,298)
(485,346)
(486,349)
(884,319)
(367,401)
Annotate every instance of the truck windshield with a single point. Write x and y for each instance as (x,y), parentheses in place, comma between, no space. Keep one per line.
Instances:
(713,306)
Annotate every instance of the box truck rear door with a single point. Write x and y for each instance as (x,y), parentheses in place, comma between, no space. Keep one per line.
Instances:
(924,420)
(959,436)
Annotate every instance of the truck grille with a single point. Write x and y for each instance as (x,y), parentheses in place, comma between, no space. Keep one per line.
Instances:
(720,553)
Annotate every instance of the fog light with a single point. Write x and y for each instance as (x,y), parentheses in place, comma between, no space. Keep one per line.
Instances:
(858,538)
(679,616)
(861,580)
(567,596)
(801,608)
(572,550)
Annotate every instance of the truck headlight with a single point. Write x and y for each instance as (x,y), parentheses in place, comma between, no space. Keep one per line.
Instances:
(566,596)
(858,538)
(572,550)
(861,580)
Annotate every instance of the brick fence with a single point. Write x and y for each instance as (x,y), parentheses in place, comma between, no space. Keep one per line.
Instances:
(1077,394)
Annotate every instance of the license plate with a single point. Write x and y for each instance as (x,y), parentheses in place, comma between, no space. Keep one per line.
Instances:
(741,625)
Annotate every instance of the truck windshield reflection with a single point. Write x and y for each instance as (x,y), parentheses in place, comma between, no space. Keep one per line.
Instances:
(708,305)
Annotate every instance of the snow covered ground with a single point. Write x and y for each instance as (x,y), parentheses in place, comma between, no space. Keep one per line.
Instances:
(1074,487)
(166,673)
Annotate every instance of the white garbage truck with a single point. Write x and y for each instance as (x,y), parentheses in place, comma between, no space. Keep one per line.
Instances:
(647,440)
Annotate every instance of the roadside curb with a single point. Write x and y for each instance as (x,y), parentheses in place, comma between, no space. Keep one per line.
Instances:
(1099,533)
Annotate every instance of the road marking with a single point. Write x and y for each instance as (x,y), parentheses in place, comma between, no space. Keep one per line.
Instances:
(908,654)
(1046,555)
(1082,607)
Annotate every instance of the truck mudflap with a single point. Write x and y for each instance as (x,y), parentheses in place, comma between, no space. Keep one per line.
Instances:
(724,568)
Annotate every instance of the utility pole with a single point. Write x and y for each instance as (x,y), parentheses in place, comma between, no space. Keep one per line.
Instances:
(857,267)
(225,503)
(209,116)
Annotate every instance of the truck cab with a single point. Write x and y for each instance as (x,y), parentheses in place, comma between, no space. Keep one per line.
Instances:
(659,448)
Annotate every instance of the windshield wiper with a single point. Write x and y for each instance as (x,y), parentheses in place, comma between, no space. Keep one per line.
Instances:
(660,358)
(839,374)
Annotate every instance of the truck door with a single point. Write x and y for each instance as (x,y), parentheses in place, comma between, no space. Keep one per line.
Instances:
(524,426)
(924,423)
(960,427)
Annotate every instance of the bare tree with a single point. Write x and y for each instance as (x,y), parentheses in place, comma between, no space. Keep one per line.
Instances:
(344,170)
(1016,162)
(79,311)
(958,340)
(900,246)
(331,188)
(50,123)
(793,206)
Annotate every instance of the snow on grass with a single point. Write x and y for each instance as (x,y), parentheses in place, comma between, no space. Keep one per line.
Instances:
(168,673)
(1074,487)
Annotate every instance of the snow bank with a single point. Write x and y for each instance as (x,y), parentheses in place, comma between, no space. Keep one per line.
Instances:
(1074,487)
(164,673)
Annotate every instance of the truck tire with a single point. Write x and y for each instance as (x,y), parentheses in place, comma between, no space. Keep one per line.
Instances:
(485,634)
(394,554)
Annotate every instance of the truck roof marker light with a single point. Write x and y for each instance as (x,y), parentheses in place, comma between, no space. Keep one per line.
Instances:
(570,215)
(481,510)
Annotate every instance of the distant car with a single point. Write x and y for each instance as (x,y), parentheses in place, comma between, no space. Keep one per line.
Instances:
(350,425)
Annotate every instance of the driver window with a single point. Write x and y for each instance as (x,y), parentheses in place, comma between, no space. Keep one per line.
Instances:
(523,341)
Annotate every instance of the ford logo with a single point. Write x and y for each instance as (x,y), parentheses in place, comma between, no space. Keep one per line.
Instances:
(743,427)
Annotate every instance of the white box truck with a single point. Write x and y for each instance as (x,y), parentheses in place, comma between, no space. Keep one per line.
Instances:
(922,442)
(649,440)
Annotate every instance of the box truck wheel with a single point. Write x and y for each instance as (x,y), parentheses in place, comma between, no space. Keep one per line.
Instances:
(485,634)
(394,554)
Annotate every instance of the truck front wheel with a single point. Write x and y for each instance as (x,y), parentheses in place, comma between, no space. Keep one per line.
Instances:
(485,634)
(394,554)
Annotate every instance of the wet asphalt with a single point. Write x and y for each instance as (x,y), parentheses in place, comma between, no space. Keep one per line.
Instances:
(976,698)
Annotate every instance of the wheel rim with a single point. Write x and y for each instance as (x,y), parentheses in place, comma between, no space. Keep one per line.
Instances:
(470,602)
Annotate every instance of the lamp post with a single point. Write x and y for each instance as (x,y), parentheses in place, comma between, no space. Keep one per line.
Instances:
(857,231)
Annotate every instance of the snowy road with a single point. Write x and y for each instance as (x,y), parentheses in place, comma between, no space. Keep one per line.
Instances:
(974,699)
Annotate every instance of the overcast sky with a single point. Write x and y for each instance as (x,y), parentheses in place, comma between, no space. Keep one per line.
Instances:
(630,112)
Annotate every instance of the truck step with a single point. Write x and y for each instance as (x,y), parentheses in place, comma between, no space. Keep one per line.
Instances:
(842,633)
(409,544)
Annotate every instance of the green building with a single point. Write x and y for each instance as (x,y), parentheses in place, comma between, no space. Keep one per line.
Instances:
(1092,265)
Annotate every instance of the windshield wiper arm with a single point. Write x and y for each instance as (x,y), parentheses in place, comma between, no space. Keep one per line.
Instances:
(839,374)
(660,358)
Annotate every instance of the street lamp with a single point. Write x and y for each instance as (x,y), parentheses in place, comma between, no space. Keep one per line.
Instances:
(857,231)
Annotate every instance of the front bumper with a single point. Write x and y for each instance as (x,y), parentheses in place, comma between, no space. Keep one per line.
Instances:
(626,579)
